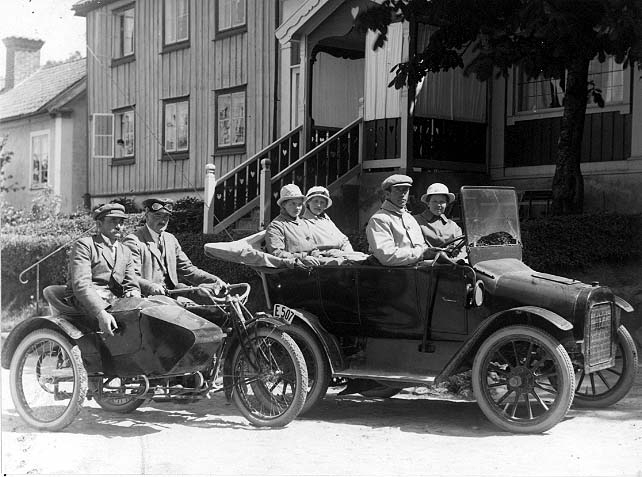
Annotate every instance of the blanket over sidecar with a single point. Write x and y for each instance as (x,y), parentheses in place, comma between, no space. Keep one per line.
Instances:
(155,337)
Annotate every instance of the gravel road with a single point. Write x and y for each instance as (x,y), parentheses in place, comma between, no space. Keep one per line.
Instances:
(408,434)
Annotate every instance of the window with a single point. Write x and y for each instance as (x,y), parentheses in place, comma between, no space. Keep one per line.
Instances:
(102,132)
(176,21)
(535,95)
(176,127)
(124,32)
(124,134)
(231,14)
(230,115)
(39,159)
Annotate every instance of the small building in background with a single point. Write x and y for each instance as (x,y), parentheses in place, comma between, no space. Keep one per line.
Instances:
(43,115)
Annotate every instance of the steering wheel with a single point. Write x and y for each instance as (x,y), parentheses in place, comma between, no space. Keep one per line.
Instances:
(453,246)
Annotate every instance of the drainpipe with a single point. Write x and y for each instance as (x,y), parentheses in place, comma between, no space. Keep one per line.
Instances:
(275,114)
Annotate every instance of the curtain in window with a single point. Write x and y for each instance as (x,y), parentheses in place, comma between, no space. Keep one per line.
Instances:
(449,94)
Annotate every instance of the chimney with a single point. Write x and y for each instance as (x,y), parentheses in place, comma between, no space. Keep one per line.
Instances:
(22,59)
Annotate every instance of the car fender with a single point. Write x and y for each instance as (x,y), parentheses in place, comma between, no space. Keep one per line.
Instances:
(623,304)
(328,341)
(489,325)
(25,327)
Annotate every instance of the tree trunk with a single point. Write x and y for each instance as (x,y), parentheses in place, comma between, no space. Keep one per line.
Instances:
(568,185)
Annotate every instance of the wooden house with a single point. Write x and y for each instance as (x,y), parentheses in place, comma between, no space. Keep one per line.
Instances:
(43,118)
(291,90)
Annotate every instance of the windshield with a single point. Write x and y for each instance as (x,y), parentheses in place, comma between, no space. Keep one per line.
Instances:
(491,222)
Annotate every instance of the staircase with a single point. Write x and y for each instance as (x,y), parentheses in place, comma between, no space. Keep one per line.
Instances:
(333,162)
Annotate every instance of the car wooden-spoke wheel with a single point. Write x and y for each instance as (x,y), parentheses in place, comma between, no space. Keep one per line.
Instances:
(523,379)
(319,373)
(606,387)
(48,381)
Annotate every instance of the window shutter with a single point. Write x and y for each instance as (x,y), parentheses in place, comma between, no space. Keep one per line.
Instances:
(103,135)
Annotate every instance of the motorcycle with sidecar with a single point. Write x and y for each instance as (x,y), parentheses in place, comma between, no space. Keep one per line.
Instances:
(533,343)
(161,351)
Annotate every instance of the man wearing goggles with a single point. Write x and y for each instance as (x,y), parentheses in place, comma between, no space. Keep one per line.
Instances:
(159,260)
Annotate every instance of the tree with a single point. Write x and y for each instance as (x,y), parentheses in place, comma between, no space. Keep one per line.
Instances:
(550,38)
(6,183)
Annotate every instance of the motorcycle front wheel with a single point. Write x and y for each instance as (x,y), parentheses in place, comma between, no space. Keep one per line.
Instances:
(48,381)
(270,378)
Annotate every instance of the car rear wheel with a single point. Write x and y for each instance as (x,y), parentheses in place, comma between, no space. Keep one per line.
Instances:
(319,373)
(606,387)
(523,379)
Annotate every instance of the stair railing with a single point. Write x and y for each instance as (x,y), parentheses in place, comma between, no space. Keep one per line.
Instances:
(330,163)
(36,265)
(237,192)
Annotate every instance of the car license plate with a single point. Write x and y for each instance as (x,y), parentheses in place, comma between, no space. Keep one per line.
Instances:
(285,313)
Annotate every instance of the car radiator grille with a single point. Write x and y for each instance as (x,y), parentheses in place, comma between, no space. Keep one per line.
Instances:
(598,338)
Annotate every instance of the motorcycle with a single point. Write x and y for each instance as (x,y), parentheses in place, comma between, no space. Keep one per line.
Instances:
(161,351)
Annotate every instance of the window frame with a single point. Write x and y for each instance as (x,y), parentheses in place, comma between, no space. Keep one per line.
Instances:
(513,115)
(232,29)
(118,54)
(232,148)
(110,136)
(176,154)
(126,158)
(178,43)
(40,184)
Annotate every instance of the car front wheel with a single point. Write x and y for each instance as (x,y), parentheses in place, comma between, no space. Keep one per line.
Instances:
(523,379)
(606,387)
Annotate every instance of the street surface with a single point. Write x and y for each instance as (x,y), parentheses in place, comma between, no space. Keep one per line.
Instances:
(409,434)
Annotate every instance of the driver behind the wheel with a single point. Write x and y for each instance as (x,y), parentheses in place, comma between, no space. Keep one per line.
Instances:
(438,229)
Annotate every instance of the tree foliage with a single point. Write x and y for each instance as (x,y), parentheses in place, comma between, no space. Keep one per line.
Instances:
(552,38)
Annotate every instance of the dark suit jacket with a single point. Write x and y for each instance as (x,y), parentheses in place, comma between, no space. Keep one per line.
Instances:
(179,267)
(92,267)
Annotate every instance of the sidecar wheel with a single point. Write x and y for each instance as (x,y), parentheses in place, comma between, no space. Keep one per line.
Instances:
(270,379)
(48,381)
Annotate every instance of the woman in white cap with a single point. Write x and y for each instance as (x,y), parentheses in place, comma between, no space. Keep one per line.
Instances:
(326,235)
(289,235)
(436,227)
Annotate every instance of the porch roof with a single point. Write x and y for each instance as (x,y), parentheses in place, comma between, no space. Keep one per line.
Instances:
(307,17)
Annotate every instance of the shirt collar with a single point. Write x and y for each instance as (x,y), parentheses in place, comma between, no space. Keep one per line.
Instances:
(430,217)
(155,236)
(108,242)
(289,218)
(390,207)
(310,216)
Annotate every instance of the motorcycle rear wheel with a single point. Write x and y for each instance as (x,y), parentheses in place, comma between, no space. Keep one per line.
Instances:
(48,381)
(274,394)
(119,404)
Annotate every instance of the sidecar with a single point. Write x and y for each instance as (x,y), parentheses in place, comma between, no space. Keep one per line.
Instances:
(52,358)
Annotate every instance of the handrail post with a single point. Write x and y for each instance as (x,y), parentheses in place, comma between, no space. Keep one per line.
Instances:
(208,205)
(265,191)
(38,289)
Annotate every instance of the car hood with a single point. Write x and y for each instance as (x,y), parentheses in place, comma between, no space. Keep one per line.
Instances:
(512,279)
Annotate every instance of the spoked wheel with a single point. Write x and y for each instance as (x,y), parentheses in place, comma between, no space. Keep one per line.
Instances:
(48,381)
(270,385)
(523,379)
(123,403)
(319,373)
(606,387)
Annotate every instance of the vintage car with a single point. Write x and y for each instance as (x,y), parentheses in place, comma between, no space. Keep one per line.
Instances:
(535,342)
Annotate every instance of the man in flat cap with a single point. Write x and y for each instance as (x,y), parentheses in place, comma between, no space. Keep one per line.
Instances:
(394,236)
(101,268)
(159,260)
